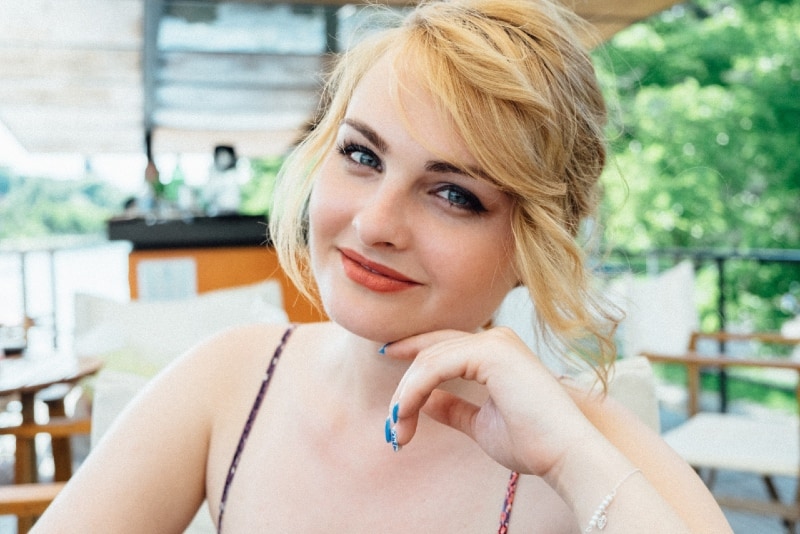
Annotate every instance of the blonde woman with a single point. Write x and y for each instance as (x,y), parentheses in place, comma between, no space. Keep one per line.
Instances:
(455,160)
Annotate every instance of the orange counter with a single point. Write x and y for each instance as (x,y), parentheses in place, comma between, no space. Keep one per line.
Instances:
(219,252)
(222,267)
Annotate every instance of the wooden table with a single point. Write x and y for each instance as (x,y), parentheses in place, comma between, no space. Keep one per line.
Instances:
(26,377)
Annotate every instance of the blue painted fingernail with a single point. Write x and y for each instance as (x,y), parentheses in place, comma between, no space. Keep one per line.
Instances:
(387,429)
(395,412)
(395,446)
(382,350)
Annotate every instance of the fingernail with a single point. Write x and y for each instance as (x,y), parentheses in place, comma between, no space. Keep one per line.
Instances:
(387,429)
(382,350)
(395,446)
(395,412)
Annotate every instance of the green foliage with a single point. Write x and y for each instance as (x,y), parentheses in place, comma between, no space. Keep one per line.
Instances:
(257,192)
(704,140)
(34,207)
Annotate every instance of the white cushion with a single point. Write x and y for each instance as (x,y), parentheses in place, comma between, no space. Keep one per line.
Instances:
(632,382)
(739,443)
(517,313)
(148,335)
(660,312)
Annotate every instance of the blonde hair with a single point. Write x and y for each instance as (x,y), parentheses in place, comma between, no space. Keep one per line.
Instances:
(521,91)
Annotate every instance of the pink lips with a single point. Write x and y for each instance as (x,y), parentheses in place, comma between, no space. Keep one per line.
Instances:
(374,276)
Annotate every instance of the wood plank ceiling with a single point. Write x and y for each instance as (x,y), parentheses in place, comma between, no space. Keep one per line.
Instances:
(91,76)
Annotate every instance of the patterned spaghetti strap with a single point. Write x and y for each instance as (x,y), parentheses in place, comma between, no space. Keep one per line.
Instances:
(249,423)
(508,503)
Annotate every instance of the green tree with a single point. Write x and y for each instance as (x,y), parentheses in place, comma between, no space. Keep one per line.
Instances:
(257,192)
(706,108)
(34,206)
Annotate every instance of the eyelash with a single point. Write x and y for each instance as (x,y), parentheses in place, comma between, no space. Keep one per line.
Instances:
(347,149)
(470,201)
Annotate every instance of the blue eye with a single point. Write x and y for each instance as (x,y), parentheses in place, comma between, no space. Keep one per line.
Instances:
(360,155)
(460,198)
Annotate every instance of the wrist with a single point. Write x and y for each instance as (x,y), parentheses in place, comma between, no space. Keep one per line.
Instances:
(588,475)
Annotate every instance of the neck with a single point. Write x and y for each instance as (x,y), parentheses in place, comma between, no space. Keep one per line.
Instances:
(355,370)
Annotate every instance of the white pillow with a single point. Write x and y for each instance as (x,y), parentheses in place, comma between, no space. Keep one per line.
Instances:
(149,334)
(660,310)
(631,383)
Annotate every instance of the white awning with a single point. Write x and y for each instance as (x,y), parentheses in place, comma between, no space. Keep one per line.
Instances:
(91,76)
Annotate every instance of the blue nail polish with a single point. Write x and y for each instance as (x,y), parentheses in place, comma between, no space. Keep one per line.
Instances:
(395,446)
(395,411)
(387,429)
(382,350)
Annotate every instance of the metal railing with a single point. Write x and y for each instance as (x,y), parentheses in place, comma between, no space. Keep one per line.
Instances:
(652,262)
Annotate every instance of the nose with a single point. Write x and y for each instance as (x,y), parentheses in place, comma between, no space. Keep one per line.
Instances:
(383,218)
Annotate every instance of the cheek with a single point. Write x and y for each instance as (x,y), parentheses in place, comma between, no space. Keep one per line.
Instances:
(482,260)
(499,267)
(327,208)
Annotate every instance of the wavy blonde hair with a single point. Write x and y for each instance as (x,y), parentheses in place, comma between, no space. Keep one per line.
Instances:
(522,92)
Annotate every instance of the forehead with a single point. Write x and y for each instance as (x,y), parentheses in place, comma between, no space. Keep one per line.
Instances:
(394,102)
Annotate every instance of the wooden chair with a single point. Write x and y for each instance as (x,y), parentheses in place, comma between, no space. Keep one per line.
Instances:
(60,428)
(711,441)
(28,501)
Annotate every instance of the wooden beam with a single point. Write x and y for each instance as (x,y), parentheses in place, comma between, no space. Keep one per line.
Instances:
(26,500)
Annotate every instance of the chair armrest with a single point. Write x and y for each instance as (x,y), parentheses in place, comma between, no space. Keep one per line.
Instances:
(694,362)
(28,500)
(693,358)
(57,427)
(722,336)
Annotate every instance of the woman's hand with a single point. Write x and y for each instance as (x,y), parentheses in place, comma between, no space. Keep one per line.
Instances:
(528,423)
(583,444)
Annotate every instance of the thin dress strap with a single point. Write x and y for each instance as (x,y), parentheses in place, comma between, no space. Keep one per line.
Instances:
(249,424)
(511,490)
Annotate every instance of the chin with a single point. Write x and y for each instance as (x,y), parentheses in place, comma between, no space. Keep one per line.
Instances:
(368,326)
(388,327)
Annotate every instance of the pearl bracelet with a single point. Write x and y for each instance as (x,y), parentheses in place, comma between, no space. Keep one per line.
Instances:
(600,517)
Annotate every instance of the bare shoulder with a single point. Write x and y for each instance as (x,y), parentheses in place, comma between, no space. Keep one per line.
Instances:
(238,345)
(230,365)
(238,349)
(164,435)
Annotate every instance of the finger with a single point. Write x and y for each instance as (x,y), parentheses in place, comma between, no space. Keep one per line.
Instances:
(433,366)
(451,410)
(408,348)
(402,426)
(456,354)
(443,407)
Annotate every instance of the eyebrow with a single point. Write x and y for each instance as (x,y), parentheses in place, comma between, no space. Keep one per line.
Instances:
(373,137)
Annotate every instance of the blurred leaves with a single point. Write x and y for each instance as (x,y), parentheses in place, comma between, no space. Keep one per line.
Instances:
(257,192)
(34,206)
(705,130)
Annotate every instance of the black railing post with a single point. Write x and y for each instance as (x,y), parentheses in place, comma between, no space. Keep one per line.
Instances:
(723,375)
